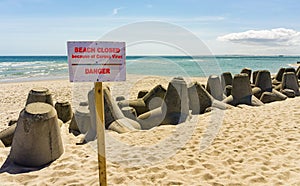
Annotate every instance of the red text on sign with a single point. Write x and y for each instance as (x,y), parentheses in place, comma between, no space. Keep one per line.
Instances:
(93,50)
(97,71)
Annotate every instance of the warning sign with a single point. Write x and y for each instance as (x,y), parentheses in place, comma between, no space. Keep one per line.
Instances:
(96,61)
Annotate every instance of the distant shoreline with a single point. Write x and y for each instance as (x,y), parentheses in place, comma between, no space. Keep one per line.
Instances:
(225,55)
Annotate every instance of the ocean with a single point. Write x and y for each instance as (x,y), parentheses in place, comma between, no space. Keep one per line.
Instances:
(29,68)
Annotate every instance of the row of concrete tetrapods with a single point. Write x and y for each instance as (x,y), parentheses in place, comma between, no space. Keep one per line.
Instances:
(162,106)
(37,139)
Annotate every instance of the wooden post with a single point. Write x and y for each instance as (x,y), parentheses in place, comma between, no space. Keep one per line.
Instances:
(99,104)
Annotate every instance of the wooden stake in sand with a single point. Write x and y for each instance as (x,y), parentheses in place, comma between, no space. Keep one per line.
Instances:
(99,104)
(97,61)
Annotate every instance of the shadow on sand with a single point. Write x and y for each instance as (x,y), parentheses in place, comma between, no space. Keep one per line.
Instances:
(10,167)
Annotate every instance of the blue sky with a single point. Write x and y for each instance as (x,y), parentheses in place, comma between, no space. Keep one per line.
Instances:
(42,27)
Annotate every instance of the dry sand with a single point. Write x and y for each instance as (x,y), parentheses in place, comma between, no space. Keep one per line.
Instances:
(241,146)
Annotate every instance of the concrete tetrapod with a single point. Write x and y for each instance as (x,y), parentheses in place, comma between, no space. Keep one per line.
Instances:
(6,135)
(81,120)
(278,77)
(64,110)
(173,110)
(247,71)
(214,87)
(37,140)
(264,82)
(176,102)
(242,92)
(114,118)
(265,91)
(39,94)
(199,98)
(91,134)
(268,97)
(289,81)
(153,99)
(226,81)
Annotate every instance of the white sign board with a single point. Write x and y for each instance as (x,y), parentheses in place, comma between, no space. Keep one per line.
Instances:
(96,61)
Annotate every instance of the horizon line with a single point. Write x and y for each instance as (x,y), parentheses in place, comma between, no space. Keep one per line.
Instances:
(157,55)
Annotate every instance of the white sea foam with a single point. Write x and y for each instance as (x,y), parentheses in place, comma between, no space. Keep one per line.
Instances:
(53,67)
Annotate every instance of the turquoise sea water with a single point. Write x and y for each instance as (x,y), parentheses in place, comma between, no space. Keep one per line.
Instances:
(26,68)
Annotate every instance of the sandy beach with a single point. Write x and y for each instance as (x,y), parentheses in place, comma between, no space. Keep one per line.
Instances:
(240,146)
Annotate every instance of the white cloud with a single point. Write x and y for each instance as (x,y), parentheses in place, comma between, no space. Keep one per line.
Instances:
(116,10)
(275,37)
